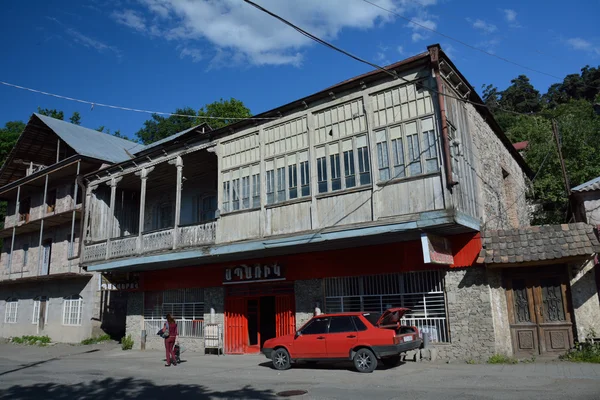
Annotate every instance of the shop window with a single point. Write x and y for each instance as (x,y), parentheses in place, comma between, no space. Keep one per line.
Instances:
(72,310)
(421,292)
(10,314)
(186,306)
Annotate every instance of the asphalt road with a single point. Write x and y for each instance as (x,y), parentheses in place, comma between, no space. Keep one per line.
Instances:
(105,372)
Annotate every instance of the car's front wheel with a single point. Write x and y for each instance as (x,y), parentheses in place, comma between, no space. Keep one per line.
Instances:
(281,359)
(365,361)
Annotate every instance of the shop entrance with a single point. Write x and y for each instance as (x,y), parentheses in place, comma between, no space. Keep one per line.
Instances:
(253,316)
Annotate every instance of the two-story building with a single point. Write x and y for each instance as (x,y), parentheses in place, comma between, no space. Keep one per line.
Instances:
(43,289)
(365,195)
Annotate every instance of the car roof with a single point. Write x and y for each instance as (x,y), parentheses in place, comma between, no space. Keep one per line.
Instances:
(343,314)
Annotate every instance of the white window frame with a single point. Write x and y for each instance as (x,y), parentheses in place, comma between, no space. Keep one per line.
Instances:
(239,188)
(288,177)
(397,167)
(72,310)
(341,148)
(35,318)
(11,311)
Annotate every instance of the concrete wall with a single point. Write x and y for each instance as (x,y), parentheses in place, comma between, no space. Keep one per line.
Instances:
(135,318)
(586,304)
(307,294)
(501,199)
(503,339)
(470,316)
(86,287)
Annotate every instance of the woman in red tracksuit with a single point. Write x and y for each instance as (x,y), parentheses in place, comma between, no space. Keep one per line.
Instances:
(170,341)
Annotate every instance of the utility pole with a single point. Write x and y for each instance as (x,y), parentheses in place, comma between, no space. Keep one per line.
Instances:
(560,157)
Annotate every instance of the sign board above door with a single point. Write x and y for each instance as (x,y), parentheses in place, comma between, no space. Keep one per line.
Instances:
(436,249)
(254,273)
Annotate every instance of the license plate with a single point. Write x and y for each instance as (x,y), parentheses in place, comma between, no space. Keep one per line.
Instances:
(408,338)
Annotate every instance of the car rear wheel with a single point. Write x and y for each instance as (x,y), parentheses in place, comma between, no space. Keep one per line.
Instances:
(365,361)
(281,359)
(391,362)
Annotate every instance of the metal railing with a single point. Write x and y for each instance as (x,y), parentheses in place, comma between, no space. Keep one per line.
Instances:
(187,328)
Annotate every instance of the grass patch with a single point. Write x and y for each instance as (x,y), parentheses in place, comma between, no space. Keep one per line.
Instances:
(32,340)
(96,340)
(502,359)
(583,352)
(127,342)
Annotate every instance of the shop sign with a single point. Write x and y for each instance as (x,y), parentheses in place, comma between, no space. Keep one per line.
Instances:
(254,273)
(436,249)
(110,282)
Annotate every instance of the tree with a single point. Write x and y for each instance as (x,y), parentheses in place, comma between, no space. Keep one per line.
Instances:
(53,113)
(160,127)
(75,118)
(521,96)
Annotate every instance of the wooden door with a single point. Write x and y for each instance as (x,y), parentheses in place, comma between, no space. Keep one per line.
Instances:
(540,321)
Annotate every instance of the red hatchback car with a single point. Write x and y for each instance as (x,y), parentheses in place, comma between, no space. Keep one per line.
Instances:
(361,337)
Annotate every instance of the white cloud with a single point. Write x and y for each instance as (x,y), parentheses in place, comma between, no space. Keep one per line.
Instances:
(90,42)
(510,15)
(131,19)
(234,29)
(194,54)
(400,50)
(450,51)
(579,44)
(421,28)
(482,25)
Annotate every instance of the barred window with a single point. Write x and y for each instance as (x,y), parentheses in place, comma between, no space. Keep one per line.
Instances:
(422,292)
(180,303)
(72,310)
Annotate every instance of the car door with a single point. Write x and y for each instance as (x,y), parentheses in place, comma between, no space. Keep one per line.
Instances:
(342,337)
(311,341)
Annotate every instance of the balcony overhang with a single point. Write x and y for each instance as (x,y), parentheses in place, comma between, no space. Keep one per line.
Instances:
(45,278)
(436,222)
(50,220)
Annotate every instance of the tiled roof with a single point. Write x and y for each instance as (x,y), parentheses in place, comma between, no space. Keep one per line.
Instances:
(588,186)
(538,243)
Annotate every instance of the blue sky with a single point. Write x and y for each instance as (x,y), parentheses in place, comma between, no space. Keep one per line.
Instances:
(163,54)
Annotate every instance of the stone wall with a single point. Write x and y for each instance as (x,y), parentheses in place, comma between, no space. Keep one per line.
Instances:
(135,319)
(471,320)
(501,194)
(586,304)
(503,339)
(308,293)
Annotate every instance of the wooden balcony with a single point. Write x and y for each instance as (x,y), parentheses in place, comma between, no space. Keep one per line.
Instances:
(150,242)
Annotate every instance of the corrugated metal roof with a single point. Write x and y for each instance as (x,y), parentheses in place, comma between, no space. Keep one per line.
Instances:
(91,143)
(170,138)
(588,186)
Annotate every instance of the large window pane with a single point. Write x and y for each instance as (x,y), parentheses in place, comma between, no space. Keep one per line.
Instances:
(364,166)
(322,174)
(246,192)
(398,154)
(383,161)
(270,187)
(349,171)
(226,194)
(336,180)
(235,186)
(256,190)
(304,178)
(293,181)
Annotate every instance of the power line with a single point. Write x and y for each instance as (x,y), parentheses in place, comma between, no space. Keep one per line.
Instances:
(94,104)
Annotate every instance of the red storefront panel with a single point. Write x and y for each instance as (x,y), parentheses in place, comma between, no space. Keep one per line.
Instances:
(236,326)
(285,315)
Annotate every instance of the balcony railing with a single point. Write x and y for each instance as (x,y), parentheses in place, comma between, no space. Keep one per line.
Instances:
(188,236)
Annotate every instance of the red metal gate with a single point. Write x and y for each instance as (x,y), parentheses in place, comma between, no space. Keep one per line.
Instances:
(285,315)
(236,326)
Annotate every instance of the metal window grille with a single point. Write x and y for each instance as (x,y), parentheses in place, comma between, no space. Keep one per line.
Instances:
(186,306)
(72,310)
(10,316)
(421,292)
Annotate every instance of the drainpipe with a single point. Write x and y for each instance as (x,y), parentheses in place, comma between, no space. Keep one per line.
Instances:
(435,62)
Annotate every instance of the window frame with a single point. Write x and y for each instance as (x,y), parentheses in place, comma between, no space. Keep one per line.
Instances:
(294,166)
(238,188)
(11,312)
(69,302)
(35,318)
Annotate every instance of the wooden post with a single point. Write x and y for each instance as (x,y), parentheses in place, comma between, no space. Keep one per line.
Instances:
(70,250)
(111,220)
(143,174)
(44,209)
(178,161)
(14,231)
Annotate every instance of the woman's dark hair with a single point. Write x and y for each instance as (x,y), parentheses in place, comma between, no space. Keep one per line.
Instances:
(170,319)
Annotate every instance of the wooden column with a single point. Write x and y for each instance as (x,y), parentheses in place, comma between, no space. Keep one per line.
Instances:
(14,230)
(44,209)
(73,216)
(143,174)
(178,161)
(85,233)
(111,220)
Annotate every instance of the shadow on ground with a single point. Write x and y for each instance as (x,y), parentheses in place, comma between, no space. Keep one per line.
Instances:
(121,389)
(342,365)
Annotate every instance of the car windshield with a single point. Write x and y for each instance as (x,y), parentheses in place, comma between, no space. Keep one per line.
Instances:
(372,317)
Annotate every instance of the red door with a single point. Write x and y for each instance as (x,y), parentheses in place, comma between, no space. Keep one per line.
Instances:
(285,316)
(342,337)
(236,325)
(312,342)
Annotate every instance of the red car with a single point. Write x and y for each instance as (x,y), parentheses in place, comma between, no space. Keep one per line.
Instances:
(361,337)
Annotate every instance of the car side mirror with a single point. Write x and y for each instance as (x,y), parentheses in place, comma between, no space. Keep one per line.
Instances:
(297,335)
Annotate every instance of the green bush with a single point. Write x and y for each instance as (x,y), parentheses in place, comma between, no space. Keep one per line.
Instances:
(32,340)
(96,340)
(583,352)
(501,359)
(127,342)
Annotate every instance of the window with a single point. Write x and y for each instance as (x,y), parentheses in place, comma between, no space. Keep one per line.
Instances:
(270,184)
(241,188)
(10,315)
(256,190)
(354,152)
(321,170)
(304,178)
(280,174)
(422,292)
(316,327)
(334,162)
(341,324)
(349,171)
(235,194)
(186,306)
(403,142)
(165,216)
(282,177)
(246,192)
(360,326)
(226,189)
(364,166)
(35,319)
(293,181)
(25,254)
(72,310)
(208,208)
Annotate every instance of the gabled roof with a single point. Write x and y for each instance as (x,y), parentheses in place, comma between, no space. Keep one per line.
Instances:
(538,243)
(91,143)
(588,186)
(198,128)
